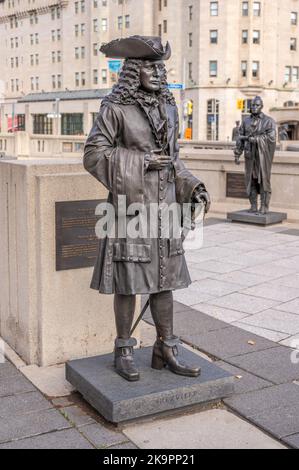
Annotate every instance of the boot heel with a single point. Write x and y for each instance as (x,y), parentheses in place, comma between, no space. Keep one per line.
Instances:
(157,362)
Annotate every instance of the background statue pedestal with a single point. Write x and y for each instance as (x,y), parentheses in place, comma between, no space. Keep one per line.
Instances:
(247,217)
(156,392)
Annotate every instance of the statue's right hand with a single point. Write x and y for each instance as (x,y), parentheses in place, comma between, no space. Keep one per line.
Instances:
(156,161)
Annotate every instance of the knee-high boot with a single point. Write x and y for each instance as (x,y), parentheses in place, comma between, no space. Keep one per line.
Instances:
(253,199)
(124,309)
(266,198)
(165,351)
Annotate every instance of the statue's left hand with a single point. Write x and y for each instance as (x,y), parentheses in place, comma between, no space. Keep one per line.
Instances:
(201,195)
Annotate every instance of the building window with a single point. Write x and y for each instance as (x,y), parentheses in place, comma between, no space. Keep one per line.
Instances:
(127,21)
(95,77)
(245,36)
(165,26)
(244,69)
(255,69)
(190,71)
(53,82)
(53,57)
(288,74)
(190,12)
(82,6)
(95,25)
(190,39)
(256,9)
(214,36)
(294,18)
(214,8)
(42,124)
(104,24)
(77,79)
(83,52)
(95,49)
(104,77)
(72,124)
(160,30)
(76,30)
(76,8)
(213,120)
(245,8)
(213,68)
(293,44)
(77,54)
(58,56)
(256,37)
(59,81)
(295,74)
(82,29)
(120,22)
(21,122)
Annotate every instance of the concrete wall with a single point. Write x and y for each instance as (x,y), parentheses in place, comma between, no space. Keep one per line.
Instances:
(47,317)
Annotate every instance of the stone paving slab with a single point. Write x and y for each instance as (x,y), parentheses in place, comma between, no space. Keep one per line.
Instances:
(212,429)
(31,424)
(275,320)
(265,400)
(23,403)
(76,416)
(244,382)
(191,295)
(14,385)
(218,267)
(292,441)
(197,322)
(272,292)
(244,303)
(102,437)
(8,370)
(228,342)
(270,271)
(288,281)
(290,307)
(273,364)
(241,278)
(220,313)
(274,336)
(280,422)
(70,439)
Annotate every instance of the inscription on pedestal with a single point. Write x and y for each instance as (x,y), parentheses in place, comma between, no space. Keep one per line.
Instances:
(235,186)
(76,241)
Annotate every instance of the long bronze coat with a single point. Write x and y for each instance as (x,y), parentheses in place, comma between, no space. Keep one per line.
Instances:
(264,129)
(115,154)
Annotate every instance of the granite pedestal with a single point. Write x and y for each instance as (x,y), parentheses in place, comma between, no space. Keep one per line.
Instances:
(157,391)
(247,217)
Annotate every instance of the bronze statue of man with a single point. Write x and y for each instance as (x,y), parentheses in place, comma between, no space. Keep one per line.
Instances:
(257,140)
(133,151)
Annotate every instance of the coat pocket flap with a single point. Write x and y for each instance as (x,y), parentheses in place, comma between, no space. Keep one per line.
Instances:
(133,253)
(176,247)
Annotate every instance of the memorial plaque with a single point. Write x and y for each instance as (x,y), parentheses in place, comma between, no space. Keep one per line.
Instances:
(76,240)
(235,186)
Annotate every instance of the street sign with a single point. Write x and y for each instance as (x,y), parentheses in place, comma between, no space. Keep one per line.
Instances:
(176,86)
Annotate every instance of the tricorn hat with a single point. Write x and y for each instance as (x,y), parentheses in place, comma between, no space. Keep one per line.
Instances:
(137,47)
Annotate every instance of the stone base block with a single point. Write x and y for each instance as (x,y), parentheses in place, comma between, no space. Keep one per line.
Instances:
(247,217)
(157,391)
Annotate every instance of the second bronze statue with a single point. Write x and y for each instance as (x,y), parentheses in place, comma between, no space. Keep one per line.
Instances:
(257,139)
(133,151)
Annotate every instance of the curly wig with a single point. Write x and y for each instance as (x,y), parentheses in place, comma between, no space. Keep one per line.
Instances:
(128,89)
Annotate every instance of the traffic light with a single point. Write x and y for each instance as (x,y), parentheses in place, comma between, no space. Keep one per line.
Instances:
(190,108)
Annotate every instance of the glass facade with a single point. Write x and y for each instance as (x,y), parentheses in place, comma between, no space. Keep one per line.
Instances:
(72,124)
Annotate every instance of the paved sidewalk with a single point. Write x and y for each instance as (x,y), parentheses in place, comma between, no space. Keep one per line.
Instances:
(30,421)
(243,311)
